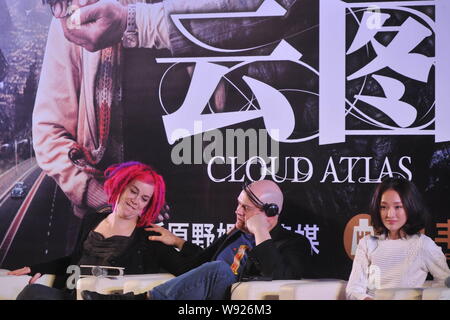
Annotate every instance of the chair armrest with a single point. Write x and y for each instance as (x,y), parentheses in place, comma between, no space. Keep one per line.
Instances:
(3,272)
(259,290)
(399,294)
(11,286)
(319,289)
(436,293)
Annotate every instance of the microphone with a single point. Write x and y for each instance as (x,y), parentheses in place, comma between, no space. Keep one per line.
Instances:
(99,272)
(447,282)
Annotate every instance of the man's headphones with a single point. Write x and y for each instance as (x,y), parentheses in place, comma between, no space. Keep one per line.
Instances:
(270,209)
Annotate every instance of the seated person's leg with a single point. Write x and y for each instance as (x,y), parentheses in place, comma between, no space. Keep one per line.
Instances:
(41,292)
(210,281)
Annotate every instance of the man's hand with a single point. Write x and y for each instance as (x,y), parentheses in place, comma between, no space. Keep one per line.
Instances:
(96,26)
(259,226)
(23,271)
(166,236)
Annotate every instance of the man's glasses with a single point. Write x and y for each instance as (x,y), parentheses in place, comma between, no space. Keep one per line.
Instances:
(60,8)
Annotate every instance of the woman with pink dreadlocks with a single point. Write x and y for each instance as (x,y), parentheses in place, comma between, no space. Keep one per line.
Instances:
(116,236)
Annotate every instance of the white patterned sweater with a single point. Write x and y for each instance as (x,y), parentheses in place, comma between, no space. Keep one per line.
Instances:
(382,263)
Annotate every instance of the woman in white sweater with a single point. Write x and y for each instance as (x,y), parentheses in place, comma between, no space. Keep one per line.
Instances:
(398,256)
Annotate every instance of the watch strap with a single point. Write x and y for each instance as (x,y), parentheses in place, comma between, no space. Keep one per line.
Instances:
(130,37)
(131,19)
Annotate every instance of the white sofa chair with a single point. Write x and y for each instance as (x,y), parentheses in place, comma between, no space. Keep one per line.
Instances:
(138,283)
(306,289)
(426,293)
(399,294)
(252,290)
(429,291)
(318,289)
(11,286)
(261,290)
(436,293)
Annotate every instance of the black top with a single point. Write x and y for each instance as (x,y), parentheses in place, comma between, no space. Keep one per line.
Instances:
(139,255)
(98,250)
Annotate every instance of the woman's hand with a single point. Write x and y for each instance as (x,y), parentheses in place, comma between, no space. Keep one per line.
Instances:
(165,236)
(19,272)
(23,271)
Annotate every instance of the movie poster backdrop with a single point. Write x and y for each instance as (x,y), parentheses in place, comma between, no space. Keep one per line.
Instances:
(326,99)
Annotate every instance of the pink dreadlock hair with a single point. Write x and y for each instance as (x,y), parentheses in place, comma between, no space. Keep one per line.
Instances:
(118,176)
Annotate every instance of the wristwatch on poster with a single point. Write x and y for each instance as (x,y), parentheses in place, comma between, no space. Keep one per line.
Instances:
(130,37)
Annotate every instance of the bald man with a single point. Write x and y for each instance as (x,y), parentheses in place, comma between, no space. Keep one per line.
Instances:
(257,248)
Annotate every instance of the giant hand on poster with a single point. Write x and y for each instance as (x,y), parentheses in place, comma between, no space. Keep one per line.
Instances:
(94,24)
(324,97)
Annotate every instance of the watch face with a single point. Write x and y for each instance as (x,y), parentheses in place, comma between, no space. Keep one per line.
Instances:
(130,40)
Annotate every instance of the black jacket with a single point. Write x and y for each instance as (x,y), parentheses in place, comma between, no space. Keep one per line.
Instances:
(286,256)
(141,255)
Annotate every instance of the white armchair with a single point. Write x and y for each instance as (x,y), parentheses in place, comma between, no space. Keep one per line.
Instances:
(318,289)
(399,294)
(11,286)
(426,293)
(442,293)
(260,290)
(306,289)
(429,291)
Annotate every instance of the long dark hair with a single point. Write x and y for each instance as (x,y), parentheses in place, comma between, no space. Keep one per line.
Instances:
(413,204)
